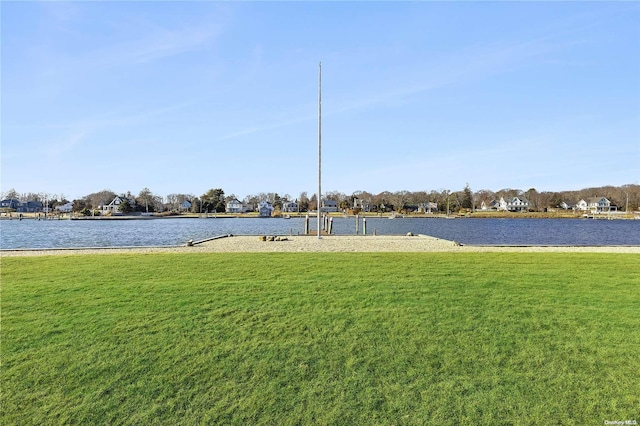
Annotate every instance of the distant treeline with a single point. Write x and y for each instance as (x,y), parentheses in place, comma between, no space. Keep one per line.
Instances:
(625,197)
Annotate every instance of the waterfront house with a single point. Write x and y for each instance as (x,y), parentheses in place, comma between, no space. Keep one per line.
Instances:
(565,206)
(329,206)
(265,209)
(491,205)
(185,206)
(65,208)
(17,206)
(30,207)
(114,206)
(596,205)
(9,204)
(601,205)
(514,204)
(364,206)
(290,206)
(235,206)
(428,207)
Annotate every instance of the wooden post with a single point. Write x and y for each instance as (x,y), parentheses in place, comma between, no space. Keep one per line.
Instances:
(306,225)
(364,226)
(330,226)
(357,224)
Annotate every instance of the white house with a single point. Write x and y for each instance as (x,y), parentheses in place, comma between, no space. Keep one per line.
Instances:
(65,208)
(514,204)
(265,209)
(289,206)
(428,207)
(596,205)
(329,206)
(235,206)
(491,205)
(114,206)
(565,206)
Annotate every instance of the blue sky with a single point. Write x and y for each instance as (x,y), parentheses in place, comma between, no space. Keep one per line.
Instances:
(181,97)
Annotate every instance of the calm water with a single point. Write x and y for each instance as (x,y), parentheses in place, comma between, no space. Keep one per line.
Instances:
(175,231)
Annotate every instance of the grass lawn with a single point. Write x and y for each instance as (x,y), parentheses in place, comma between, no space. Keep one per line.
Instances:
(332,338)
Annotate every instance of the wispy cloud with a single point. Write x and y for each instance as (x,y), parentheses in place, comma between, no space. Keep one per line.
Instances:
(62,15)
(476,62)
(161,44)
(480,61)
(462,67)
(81,130)
(127,41)
(266,127)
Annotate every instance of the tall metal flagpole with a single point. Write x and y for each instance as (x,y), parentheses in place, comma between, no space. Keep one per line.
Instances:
(319,145)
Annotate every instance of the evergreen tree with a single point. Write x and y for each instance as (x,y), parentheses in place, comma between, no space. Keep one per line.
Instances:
(124,207)
(467,198)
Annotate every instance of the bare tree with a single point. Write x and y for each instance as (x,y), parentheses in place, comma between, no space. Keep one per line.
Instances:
(313,202)
(145,199)
(158,203)
(484,196)
(533,198)
(11,194)
(101,198)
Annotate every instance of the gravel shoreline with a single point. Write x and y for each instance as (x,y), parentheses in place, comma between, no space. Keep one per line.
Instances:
(301,244)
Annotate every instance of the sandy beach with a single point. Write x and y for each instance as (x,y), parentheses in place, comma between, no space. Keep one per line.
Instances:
(301,244)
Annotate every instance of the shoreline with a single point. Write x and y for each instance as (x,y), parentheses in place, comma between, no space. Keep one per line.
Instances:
(474,215)
(311,244)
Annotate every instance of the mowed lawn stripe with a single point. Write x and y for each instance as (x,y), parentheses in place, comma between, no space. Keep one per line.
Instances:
(332,338)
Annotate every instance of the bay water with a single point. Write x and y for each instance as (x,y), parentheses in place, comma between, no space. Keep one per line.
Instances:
(31,233)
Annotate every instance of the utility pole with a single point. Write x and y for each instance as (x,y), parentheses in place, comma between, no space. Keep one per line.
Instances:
(319,145)
(626,210)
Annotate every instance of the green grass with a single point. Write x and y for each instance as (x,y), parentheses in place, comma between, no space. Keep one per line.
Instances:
(358,338)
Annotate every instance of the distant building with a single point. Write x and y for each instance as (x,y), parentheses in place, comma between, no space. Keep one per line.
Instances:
(114,206)
(19,207)
(185,206)
(65,208)
(514,204)
(364,206)
(265,209)
(235,206)
(596,205)
(30,207)
(329,206)
(427,207)
(290,206)
(10,203)
(566,206)
(491,205)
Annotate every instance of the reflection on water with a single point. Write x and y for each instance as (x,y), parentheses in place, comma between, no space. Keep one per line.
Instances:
(176,231)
